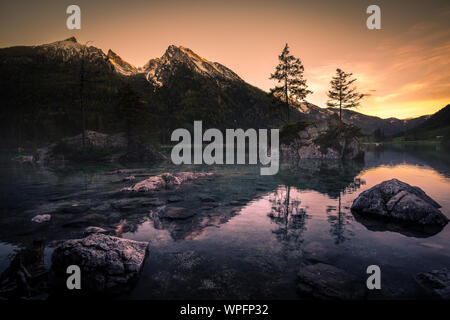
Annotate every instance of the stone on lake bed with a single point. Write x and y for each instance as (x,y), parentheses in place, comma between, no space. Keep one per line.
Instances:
(436,282)
(324,281)
(108,264)
(399,201)
(41,218)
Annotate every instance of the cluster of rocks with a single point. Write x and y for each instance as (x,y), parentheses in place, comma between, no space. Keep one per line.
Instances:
(395,201)
(93,139)
(110,264)
(165,181)
(303,145)
(114,145)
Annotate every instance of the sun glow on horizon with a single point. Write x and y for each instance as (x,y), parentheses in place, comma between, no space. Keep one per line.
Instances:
(404,68)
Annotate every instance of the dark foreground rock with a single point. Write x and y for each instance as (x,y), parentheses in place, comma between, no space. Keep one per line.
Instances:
(396,200)
(97,146)
(436,282)
(108,264)
(323,281)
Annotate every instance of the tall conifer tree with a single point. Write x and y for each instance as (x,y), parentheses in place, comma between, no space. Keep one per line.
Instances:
(289,74)
(343,94)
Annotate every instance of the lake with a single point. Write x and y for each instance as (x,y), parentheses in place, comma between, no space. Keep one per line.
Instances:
(250,234)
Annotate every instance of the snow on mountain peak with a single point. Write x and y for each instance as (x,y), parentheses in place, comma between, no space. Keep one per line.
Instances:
(120,65)
(157,70)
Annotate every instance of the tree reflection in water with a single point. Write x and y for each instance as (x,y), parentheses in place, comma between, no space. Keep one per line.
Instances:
(289,218)
(341,220)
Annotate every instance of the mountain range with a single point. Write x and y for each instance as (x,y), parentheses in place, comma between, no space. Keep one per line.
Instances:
(40,88)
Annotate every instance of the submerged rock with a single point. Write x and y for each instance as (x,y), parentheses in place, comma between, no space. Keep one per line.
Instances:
(108,264)
(397,200)
(92,229)
(41,218)
(436,281)
(166,181)
(323,281)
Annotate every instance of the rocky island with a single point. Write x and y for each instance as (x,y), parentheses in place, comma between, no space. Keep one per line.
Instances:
(328,139)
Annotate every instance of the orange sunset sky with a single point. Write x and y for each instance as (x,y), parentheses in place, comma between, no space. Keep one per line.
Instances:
(404,67)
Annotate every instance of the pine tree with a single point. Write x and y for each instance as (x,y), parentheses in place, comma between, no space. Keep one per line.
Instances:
(342,93)
(289,72)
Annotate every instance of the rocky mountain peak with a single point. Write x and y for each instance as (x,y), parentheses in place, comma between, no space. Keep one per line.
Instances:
(71,39)
(157,70)
(120,65)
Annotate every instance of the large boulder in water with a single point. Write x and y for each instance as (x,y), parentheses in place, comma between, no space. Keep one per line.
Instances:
(108,264)
(399,201)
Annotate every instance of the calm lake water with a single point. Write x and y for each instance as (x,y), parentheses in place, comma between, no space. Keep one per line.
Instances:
(250,234)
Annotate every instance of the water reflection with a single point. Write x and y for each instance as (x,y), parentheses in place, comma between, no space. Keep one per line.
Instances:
(327,177)
(431,155)
(339,221)
(249,226)
(289,217)
(409,230)
(333,178)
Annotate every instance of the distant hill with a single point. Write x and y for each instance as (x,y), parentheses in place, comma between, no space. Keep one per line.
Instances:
(368,124)
(438,120)
(436,126)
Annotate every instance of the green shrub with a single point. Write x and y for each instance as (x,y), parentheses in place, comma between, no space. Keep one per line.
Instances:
(335,134)
(290,130)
